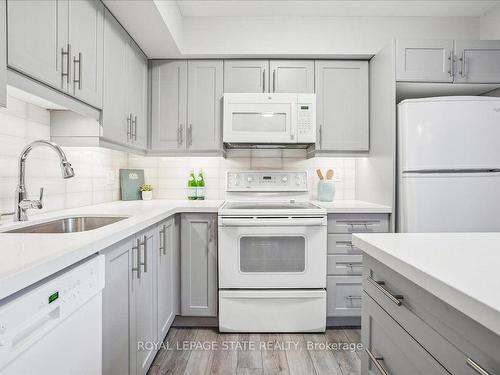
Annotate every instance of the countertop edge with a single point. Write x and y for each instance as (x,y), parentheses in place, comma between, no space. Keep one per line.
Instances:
(468,305)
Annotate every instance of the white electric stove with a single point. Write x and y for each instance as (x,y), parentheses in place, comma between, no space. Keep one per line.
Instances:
(272,255)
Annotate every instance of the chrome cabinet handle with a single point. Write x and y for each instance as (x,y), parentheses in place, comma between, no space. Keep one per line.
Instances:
(209,232)
(264,81)
(129,119)
(320,131)
(134,124)
(274,80)
(145,247)
(189,135)
(396,299)
(138,259)
(79,62)
(162,243)
(67,53)
(450,61)
(476,367)
(376,362)
(352,297)
(180,130)
(462,65)
(129,128)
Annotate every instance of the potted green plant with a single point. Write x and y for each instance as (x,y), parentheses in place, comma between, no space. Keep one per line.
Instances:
(147,192)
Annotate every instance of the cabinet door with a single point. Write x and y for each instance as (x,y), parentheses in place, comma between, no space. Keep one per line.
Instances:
(292,76)
(205,91)
(424,60)
(3,54)
(478,61)
(86,22)
(137,94)
(198,265)
(246,75)
(165,277)
(342,105)
(118,310)
(115,119)
(168,105)
(145,301)
(38,40)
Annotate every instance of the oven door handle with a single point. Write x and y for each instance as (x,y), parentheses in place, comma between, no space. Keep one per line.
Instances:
(276,222)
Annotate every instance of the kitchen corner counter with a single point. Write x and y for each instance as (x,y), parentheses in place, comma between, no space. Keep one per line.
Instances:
(460,269)
(30,257)
(353,206)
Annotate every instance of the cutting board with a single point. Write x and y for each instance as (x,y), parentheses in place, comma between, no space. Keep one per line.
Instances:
(130,183)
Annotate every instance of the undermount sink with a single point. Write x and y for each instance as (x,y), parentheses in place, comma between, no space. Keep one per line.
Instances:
(69,224)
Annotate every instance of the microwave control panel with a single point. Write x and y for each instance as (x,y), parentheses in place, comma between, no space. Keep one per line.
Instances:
(266,181)
(306,118)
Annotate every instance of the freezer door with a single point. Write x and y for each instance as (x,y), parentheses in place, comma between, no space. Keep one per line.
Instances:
(449,133)
(449,202)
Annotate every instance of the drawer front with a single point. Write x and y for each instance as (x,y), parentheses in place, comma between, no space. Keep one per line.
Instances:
(452,340)
(341,244)
(389,346)
(358,223)
(345,265)
(343,296)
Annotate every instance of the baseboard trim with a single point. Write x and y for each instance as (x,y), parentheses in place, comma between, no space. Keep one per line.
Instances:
(195,321)
(344,322)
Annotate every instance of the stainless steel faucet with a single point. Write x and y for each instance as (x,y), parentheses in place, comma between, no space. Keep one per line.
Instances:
(22,203)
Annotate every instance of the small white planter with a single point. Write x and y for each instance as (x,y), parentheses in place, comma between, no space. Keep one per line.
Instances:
(147,195)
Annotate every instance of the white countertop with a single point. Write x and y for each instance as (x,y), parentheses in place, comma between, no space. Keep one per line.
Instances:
(28,258)
(353,206)
(459,268)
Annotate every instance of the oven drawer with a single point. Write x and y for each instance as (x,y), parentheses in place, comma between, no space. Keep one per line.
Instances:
(341,244)
(272,310)
(344,295)
(345,265)
(358,223)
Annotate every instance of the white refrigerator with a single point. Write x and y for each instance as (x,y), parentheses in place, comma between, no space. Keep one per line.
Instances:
(449,164)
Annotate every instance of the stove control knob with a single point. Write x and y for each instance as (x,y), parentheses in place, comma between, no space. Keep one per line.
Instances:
(284,179)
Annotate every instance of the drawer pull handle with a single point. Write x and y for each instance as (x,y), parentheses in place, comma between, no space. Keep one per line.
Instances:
(350,298)
(379,285)
(376,362)
(476,367)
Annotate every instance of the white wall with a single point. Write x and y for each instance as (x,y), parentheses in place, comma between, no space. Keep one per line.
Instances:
(21,123)
(314,35)
(490,24)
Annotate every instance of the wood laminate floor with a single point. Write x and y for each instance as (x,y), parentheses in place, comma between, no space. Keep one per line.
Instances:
(205,351)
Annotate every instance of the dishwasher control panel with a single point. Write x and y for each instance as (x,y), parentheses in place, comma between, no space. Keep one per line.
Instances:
(266,181)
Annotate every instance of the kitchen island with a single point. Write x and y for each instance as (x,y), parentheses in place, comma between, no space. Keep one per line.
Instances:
(430,303)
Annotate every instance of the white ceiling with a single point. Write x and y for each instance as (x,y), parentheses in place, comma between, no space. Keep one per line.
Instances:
(335,8)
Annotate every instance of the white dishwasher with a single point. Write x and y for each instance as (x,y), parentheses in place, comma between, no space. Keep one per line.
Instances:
(55,326)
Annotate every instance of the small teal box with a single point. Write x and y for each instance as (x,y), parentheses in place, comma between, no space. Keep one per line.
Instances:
(326,191)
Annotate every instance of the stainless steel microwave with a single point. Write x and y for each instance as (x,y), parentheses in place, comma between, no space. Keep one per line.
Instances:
(260,119)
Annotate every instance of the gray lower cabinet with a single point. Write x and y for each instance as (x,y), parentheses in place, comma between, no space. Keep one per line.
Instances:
(411,331)
(60,44)
(167,286)
(124,116)
(342,105)
(130,304)
(199,265)
(345,264)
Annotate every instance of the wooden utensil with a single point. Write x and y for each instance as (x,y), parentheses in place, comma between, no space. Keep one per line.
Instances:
(329,174)
(320,175)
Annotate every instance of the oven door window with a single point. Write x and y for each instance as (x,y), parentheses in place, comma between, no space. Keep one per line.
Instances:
(272,254)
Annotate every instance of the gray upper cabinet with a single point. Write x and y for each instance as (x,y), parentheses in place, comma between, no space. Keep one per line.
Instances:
(3,54)
(169,105)
(295,76)
(38,40)
(124,117)
(477,61)
(204,114)
(246,76)
(342,105)
(60,44)
(86,22)
(424,60)
(199,264)
(115,118)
